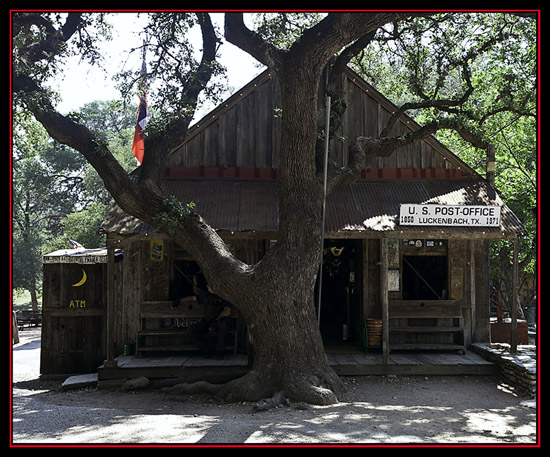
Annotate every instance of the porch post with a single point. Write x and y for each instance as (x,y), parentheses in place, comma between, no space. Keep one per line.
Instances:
(514,310)
(384,300)
(109,311)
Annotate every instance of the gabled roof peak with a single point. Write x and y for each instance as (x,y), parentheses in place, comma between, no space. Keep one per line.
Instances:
(244,130)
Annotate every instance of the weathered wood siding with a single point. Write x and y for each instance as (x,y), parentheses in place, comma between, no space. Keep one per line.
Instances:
(73,318)
(467,279)
(366,115)
(140,278)
(242,132)
(245,130)
(137,278)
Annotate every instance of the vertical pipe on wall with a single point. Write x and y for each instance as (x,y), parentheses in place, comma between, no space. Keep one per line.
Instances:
(325,167)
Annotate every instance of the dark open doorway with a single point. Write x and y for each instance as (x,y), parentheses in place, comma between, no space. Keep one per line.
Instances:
(339,295)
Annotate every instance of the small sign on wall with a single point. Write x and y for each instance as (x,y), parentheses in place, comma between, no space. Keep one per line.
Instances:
(157,250)
(393,280)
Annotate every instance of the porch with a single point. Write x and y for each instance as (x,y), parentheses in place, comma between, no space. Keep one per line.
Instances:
(411,363)
(194,367)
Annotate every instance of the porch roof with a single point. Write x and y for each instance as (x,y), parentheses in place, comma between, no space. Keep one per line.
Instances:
(365,208)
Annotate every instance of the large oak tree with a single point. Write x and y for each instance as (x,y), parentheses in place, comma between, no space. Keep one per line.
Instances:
(275,296)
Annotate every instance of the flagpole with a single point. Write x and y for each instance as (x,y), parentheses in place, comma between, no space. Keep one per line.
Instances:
(138,146)
(327,138)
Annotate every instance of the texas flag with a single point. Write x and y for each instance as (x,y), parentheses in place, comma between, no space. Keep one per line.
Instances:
(75,244)
(138,146)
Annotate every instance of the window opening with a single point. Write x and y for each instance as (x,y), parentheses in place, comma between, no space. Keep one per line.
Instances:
(425,277)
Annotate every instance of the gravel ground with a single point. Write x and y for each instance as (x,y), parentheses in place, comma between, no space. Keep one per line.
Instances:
(376,410)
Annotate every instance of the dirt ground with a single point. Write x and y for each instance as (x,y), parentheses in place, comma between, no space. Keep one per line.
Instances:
(376,410)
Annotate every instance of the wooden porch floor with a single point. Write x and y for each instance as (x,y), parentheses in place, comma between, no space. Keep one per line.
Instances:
(193,367)
(411,363)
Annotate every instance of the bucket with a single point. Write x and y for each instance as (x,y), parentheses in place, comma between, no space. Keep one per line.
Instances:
(129,349)
(374,332)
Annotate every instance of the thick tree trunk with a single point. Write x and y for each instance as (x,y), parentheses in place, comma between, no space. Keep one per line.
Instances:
(277,303)
(277,297)
(288,351)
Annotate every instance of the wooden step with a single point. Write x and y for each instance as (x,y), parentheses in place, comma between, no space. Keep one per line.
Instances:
(441,309)
(164,332)
(426,329)
(176,348)
(174,331)
(427,346)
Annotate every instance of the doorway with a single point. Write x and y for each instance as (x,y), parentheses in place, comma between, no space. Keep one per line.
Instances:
(340,292)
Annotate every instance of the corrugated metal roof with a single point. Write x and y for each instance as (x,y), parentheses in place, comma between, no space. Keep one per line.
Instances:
(365,206)
(230,205)
(374,205)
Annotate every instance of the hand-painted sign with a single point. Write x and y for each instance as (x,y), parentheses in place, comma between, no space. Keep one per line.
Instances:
(82,281)
(455,215)
(84,256)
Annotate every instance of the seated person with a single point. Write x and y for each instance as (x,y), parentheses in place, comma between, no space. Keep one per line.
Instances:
(218,311)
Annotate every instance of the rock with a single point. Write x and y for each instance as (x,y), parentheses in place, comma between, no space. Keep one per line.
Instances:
(267,403)
(532,403)
(80,381)
(135,383)
(302,405)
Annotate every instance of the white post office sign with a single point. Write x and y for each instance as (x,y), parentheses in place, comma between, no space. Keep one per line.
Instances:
(449,215)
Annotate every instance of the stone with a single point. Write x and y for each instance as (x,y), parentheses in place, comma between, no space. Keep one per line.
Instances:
(80,381)
(135,383)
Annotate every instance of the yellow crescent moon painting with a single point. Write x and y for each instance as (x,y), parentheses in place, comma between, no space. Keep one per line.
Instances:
(82,281)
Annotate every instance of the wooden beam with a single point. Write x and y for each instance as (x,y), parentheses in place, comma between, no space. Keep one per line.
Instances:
(384,300)
(472,287)
(109,311)
(514,310)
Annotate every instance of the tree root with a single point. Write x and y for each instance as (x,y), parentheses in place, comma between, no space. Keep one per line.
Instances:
(268,403)
(200,387)
(267,393)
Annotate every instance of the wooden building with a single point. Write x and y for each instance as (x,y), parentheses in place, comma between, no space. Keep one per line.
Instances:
(428,283)
(73,311)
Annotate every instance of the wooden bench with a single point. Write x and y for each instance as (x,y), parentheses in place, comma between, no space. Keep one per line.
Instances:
(29,318)
(167,328)
(426,325)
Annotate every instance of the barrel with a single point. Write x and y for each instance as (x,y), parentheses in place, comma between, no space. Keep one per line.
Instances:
(374,332)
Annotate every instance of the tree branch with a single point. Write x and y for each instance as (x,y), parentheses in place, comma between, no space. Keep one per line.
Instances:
(342,60)
(159,146)
(43,49)
(241,36)
(349,174)
(384,147)
(441,104)
(143,200)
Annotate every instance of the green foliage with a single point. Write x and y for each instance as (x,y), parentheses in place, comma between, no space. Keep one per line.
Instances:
(56,193)
(284,29)
(473,65)
(92,30)
(81,226)
(171,75)
(171,219)
(482,70)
